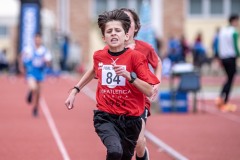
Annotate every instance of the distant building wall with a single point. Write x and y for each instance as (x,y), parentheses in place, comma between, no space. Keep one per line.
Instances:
(207,27)
(173,19)
(79,22)
(80,25)
(8,27)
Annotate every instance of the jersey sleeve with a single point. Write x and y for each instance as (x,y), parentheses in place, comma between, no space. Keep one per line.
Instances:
(152,57)
(235,42)
(142,70)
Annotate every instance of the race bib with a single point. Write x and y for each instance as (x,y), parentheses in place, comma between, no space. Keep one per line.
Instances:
(110,78)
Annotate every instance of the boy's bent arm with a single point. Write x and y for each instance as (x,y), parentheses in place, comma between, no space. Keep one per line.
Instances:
(143,87)
(87,77)
(158,74)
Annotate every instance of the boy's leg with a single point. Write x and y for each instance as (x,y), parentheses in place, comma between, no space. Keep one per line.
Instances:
(130,137)
(117,134)
(37,97)
(141,150)
(229,66)
(230,69)
(114,148)
(106,130)
(141,144)
(29,97)
(34,88)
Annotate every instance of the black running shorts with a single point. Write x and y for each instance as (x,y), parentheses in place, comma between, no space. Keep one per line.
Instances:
(118,131)
(144,116)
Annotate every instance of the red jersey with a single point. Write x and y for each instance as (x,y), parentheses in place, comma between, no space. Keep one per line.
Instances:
(115,94)
(148,51)
(152,59)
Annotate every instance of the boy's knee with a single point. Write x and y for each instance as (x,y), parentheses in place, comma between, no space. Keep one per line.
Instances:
(141,141)
(114,153)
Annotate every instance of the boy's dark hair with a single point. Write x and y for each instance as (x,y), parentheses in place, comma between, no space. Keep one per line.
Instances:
(115,15)
(233,17)
(135,18)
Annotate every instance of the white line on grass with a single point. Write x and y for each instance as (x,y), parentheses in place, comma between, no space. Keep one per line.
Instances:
(54,130)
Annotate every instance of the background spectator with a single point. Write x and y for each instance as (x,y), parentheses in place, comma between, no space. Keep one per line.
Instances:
(199,52)
(228,52)
(3,60)
(174,50)
(184,48)
(64,53)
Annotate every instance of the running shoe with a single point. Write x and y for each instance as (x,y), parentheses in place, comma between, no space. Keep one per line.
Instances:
(231,107)
(223,108)
(228,108)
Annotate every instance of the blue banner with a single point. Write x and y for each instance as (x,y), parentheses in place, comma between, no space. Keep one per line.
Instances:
(29,24)
(146,32)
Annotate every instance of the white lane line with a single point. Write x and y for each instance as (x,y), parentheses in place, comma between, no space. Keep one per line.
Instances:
(87,91)
(148,134)
(164,146)
(54,130)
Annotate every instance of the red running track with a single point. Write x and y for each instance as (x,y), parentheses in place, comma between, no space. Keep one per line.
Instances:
(24,137)
(203,136)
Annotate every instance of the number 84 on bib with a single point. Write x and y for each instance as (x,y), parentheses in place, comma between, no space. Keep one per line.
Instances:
(110,78)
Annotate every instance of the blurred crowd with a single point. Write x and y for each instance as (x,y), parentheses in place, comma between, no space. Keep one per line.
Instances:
(66,54)
(181,50)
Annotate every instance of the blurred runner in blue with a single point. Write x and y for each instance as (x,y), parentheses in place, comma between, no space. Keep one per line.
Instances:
(33,63)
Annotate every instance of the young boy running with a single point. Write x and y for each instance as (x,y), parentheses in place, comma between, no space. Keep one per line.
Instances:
(152,58)
(123,81)
(33,63)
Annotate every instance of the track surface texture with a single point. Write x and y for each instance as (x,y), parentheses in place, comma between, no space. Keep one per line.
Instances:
(58,133)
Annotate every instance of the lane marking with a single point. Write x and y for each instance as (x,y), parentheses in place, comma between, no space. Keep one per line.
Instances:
(54,130)
(87,91)
(164,146)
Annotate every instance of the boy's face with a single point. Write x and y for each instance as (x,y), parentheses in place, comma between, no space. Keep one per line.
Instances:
(38,40)
(132,29)
(115,36)
(236,23)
